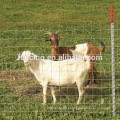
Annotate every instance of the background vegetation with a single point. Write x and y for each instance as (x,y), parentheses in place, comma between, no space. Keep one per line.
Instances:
(22,27)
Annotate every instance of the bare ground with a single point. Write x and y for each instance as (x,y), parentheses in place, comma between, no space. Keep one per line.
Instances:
(26,85)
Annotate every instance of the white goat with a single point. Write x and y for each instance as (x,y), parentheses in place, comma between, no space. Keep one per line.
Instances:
(57,73)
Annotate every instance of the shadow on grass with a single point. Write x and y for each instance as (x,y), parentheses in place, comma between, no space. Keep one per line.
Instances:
(25,85)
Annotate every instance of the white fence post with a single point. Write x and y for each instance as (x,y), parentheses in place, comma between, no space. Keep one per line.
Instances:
(113,61)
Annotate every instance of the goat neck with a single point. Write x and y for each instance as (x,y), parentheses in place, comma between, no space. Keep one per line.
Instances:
(54,49)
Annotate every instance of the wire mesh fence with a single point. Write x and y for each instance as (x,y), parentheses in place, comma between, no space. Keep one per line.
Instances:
(21,94)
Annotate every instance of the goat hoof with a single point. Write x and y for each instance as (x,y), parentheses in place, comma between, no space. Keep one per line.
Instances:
(78,102)
(54,103)
(87,86)
(43,103)
(95,82)
(89,82)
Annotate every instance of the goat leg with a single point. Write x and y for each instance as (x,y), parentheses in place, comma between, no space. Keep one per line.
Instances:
(44,93)
(90,77)
(95,76)
(53,94)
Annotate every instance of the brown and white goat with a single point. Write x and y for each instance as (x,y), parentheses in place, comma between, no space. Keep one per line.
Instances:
(92,50)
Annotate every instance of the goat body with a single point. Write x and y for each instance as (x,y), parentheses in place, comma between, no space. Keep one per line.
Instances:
(57,73)
(80,49)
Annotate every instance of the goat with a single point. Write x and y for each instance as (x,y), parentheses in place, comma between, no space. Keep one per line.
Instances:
(56,73)
(92,50)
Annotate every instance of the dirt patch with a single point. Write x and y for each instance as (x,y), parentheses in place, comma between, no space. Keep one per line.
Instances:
(15,75)
(25,85)
(21,82)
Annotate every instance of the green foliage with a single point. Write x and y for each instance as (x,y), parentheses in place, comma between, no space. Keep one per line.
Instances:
(22,27)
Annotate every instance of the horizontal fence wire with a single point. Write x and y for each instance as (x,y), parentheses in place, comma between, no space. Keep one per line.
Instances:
(20,91)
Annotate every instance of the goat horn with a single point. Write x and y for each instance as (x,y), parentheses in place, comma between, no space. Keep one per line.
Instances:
(57,33)
(48,33)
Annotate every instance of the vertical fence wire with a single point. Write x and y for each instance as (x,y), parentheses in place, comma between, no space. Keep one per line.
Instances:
(97,99)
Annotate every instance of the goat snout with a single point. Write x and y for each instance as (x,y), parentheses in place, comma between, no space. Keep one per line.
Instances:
(26,63)
(47,39)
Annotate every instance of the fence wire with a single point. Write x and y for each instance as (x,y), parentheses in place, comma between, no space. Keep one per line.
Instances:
(21,94)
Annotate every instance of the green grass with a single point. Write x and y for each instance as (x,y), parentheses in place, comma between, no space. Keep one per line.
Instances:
(22,27)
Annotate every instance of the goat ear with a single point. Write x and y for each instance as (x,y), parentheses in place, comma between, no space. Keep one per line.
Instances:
(62,38)
(73,48)
(31,54)
(57,33)
(19,55)
(48,33)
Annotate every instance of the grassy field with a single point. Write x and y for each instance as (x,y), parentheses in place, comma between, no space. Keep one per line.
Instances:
(22,27)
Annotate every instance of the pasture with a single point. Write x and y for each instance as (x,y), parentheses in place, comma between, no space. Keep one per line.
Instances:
(23,25)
